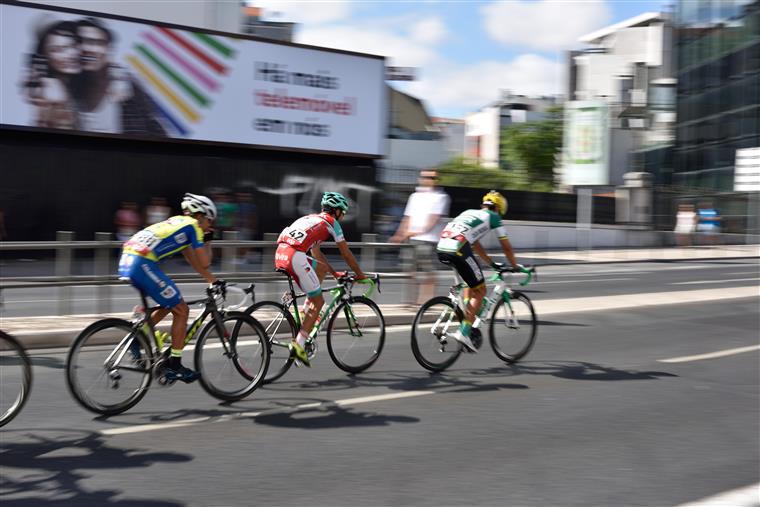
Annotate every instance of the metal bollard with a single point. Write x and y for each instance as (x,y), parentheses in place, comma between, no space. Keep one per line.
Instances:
(102,268)
(368,253)
(229,254)
(63,270)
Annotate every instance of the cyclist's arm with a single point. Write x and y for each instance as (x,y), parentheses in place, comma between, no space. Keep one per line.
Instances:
(506,246)
(200,260)
(345,252)
(316,252)
(478,249)
(400,234)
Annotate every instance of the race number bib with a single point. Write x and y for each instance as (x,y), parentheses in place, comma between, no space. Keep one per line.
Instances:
(296,235)
(143,242)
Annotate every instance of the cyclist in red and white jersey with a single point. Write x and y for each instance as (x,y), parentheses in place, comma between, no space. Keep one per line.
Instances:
(295,243)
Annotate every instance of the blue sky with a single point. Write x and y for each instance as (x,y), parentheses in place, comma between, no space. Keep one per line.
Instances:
(465,51)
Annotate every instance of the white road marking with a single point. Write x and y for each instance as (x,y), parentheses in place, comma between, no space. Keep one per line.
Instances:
(748,496)
(715,281)
(594,280)
(710,355)
(240,415)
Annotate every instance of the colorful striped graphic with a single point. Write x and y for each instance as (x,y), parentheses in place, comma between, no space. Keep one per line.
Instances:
(183,72)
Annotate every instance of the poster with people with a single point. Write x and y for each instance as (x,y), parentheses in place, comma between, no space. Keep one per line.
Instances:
(80,71)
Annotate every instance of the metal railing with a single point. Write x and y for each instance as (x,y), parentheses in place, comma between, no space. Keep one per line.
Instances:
(104,257)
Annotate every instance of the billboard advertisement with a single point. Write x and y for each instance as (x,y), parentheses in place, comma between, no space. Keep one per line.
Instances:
(80,72)
(586,143)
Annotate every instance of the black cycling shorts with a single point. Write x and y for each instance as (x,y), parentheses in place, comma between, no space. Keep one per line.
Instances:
(464,263)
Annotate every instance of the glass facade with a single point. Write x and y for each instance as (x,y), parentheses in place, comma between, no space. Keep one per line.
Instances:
(718,93)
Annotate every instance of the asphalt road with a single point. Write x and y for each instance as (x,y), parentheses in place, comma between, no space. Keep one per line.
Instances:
(592,417)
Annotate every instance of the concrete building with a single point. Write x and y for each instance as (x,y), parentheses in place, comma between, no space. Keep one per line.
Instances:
(629,67)
(210,14)
(253,24)
(414,142)
(482,142)
(452,132)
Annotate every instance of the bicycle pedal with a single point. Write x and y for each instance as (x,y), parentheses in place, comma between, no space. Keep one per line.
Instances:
(476,337)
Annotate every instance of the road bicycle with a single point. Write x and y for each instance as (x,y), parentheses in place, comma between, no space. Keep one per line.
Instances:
(355,327)
(15,377)
(111,363)
(511,319)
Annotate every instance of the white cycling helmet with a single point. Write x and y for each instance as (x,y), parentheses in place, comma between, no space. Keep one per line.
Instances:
(194,203)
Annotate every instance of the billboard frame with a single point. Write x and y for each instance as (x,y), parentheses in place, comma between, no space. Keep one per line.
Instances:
(384,116)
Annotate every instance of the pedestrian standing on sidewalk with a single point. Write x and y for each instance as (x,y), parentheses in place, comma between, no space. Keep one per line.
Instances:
(421,226)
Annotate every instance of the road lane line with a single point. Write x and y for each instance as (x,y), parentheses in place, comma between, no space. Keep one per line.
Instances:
(715,281)
(140,428)
(593,279)
(748,496)
(710,355)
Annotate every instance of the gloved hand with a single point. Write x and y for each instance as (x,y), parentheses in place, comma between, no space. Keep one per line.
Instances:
(219,286)
(208,236)
(523,269)
(498,266)
(339,274)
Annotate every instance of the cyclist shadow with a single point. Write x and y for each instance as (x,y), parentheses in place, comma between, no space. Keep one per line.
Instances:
(48,471)
(48,362)
(327,416)
(578,370)
(451,380)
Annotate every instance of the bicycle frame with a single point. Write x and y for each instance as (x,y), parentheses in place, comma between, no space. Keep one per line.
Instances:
(500,289)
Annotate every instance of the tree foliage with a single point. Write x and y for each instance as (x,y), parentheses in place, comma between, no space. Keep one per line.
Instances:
(532,147)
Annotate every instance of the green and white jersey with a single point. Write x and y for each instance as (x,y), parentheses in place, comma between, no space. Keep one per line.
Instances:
(469,227)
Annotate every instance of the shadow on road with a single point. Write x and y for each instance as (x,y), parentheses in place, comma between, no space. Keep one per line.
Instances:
(329,416)
(48,469)
(555,323)
(461,380)
(48,362)
(578,370)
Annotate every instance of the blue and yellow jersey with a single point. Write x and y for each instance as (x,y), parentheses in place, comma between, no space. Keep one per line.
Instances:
(165,238)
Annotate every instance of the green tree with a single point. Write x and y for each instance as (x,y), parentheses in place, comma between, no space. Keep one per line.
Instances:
(530,150)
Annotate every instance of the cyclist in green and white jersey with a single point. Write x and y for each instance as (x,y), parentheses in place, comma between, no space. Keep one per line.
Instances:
(459,239)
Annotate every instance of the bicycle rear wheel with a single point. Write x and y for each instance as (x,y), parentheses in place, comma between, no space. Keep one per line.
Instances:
(355,334)
(232,365)
(433,345)
(513,326)
(15,378)
(281,328)
(108,367)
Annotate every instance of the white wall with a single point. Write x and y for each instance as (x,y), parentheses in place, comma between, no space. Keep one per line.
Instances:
(210,14)
(485,124)
(411,153)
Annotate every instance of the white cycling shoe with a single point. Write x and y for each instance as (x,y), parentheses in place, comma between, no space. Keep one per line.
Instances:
(466,342)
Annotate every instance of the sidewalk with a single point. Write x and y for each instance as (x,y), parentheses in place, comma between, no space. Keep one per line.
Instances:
(59,331)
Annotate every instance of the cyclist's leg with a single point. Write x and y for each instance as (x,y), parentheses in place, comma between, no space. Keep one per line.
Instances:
(303,269)
(467,268)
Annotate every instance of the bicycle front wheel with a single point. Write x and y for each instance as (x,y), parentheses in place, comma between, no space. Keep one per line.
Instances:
(355,334)
(281,329)
(108,367)
(232,361)
(15,377)
(433,344)
(513,327)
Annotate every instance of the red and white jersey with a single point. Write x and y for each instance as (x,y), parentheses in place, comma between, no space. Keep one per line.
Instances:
(311,230)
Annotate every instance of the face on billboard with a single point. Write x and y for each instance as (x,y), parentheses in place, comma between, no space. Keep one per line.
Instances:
(62,53)
(94,48)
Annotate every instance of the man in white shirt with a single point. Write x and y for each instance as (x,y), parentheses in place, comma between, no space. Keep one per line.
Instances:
(422,225)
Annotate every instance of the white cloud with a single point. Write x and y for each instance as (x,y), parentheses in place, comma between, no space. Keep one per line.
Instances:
(450,88)
(310,12)
(405,49)
(429,31)
(544,24)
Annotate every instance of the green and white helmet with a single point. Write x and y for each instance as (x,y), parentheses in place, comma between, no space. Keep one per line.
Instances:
(334,200)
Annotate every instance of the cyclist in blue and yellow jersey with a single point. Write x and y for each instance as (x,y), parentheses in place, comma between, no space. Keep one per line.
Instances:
(139,264)
(455,249)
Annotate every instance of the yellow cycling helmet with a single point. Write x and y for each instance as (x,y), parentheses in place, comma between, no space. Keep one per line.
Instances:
(495,198)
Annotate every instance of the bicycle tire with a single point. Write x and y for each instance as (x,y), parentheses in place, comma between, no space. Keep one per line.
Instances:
(11,351)
(428,349)
(281,330)
(243,368)
(513,346)
(367,351)
(97,340)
